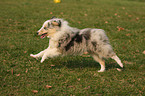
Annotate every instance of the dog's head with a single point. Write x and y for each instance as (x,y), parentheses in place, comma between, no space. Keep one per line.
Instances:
(50,27)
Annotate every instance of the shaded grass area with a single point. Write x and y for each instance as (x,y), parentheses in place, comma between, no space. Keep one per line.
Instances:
(20,74)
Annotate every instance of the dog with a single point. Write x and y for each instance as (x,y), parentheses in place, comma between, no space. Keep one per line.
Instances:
(65,40)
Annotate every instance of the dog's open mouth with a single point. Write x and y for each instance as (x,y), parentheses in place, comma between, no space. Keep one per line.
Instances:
(43,35)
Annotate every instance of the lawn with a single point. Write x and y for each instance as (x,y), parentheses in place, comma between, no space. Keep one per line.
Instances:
(21,75)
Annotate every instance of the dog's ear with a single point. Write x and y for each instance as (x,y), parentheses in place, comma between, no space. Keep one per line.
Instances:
(56,23)
(53,17)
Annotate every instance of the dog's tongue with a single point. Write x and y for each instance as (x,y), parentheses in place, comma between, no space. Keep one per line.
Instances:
(43,36)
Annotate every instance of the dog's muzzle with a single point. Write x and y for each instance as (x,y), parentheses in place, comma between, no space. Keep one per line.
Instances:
(42,35)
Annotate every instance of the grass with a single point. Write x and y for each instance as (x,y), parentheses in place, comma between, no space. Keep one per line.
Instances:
(69,76)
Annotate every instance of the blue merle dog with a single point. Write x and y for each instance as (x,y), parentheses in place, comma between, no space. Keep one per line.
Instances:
(66,40)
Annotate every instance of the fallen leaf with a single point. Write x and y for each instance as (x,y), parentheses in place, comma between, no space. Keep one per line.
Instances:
(137,18)
(48,87)
(25,51)
(128,34)
(129,15)
(123,8)
(87,87)
(18,74)
(52,65)
(79,22)
(29,61)
(26,71)
(86,14)
(34,91)
(106,22)
(120,28)
(78,79)
(51,13)
(85,52)
(137,50)
(70,86)
(115,14)
(143,52)
(126,62)
(124,47)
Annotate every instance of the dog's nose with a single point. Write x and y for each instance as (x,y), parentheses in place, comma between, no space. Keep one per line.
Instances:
(37,33)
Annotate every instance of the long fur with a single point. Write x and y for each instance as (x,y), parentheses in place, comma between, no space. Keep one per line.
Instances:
(66,40)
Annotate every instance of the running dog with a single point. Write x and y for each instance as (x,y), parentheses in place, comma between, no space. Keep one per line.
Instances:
(66,40)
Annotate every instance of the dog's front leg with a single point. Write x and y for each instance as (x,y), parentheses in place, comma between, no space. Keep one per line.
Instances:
(39,55)
(50,54)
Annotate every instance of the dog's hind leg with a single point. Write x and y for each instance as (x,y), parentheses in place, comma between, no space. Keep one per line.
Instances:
(115,57)
(101,62)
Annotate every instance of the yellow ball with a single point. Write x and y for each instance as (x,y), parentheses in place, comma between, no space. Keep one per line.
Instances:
(57,1)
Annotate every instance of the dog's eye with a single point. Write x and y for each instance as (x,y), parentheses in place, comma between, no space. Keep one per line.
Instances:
(45,28)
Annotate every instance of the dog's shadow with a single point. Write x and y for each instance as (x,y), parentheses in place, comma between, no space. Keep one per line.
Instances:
(80,62)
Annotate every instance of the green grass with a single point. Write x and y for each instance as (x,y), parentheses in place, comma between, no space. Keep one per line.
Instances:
(20,74)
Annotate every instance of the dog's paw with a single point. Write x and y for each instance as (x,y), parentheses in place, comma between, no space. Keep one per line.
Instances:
(42,60)
(101,70)
(34,56)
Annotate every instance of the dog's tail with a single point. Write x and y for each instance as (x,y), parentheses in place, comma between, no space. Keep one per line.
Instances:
(116,58)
